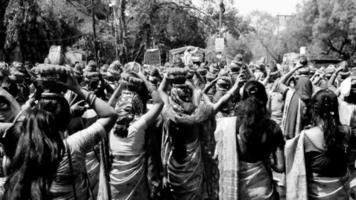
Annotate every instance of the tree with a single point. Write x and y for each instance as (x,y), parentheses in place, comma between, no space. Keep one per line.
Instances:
(335,28)
(30,31)
(325,27)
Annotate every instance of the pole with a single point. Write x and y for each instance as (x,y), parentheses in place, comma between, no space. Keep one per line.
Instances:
(115,32)
(94,32)
(222,9)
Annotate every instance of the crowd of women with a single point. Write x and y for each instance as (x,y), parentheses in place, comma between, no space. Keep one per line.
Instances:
(178,132)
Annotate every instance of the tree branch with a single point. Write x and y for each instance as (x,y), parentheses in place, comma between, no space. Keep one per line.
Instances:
(333,48)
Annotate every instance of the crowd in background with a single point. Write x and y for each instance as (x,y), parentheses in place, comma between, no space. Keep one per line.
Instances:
(180,131)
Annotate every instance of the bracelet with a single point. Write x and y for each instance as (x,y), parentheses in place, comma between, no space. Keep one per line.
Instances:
(90,99)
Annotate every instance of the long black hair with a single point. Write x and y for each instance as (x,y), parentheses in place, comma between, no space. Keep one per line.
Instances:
(252,113)
(36,148)
(324,111)
(39,150)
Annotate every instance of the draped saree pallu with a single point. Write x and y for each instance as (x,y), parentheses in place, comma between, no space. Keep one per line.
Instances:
(299,186)
(127,178)
(226,151)
(184,176)
(239,180)
(291,118)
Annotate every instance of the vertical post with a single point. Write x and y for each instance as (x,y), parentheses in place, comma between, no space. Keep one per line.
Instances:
(220,17)
(115,33)
(94,32)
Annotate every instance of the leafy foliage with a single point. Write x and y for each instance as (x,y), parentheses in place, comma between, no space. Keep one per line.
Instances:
(327,27)
(30,31)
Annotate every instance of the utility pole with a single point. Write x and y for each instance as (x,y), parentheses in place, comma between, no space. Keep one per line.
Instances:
(94,32)
(115,30)
(114,6)
(222,10)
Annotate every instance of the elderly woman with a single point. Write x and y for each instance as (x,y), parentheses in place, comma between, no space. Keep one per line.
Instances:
(184,114)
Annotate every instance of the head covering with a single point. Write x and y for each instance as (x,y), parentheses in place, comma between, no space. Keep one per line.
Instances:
(261,63)
(130,102)
(78,70)
(154,76)
(303,60)
(132,67)
(330,70)
(91,71)
(114,69)
(178,62)
(238,59)
(182,99)
(4,69)
(91,67)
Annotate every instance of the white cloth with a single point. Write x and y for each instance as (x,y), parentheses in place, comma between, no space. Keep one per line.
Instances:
(345,87)
(134,143)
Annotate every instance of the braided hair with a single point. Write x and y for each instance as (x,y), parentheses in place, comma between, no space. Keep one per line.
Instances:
(324,111)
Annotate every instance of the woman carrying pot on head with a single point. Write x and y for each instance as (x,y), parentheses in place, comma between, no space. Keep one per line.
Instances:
(186,111)
(128,178)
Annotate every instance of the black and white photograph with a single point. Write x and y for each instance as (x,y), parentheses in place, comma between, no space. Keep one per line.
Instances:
(177,99)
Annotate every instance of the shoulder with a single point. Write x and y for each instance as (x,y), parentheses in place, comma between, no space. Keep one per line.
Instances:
(139,125)
(316,136)
(273,127)
(275,131)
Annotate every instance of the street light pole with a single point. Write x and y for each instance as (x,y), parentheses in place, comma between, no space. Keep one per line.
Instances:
(222,10)
(94,32)
(115,30)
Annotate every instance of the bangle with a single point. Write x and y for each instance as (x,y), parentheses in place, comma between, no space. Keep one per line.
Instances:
(90,99)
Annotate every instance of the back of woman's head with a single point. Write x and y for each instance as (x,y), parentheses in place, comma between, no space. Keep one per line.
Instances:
(252,113)
(255,89)
(58,106)
(38,153)
(324,112)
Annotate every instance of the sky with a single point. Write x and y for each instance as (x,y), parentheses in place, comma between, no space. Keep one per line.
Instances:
(274,7)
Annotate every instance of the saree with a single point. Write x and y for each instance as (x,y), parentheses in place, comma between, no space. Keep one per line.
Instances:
(128,180)
(312,187)
(291,118)
(226,152)
(255,182)
(346,112)
(294,107)
(239,179)
(183,179)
